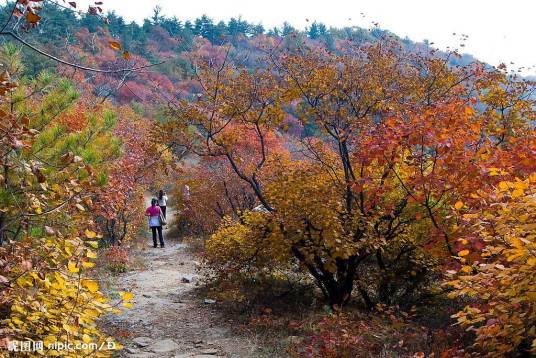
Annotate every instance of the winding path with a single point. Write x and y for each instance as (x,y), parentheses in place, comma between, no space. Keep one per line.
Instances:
(168,319)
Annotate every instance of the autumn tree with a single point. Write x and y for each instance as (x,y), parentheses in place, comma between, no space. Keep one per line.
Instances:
(497,266)
(142,163)
(215,193)
(51,159)
(366,203)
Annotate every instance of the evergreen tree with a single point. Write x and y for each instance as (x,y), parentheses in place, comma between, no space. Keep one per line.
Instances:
(172,25)
(116,24)
(314,31)
(90,22)
(288,29)
(273,32)
(257,29)
(219,32)
(207,28)
(198,27)
(322,29)
(188,26)
(232,27)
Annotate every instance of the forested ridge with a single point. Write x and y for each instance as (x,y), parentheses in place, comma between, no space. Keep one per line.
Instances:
(84,39)
(365,195)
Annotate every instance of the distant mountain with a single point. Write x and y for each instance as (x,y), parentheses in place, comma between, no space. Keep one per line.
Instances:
(159,38)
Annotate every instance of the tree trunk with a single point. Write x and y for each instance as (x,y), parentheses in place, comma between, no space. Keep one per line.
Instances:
(110,227)
(3,215)
(2,230)
(337,288)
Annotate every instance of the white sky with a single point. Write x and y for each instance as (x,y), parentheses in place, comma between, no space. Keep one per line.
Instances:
(499,31)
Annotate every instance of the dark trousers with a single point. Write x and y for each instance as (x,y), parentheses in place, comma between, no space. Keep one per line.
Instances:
(163,208)
(154,229)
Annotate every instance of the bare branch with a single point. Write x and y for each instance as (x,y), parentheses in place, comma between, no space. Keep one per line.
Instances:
(80,67)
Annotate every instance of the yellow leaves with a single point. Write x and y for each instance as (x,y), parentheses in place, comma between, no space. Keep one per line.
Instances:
(496,171)
(91,313)
(71,266)
(59,281)
(523,218)
(471,216)
(91,254)
(90,234)
(88,264)
(502,276)
(452,295)
(25,281)
(517,243)
(93,244)
(126,296)
(48,340)
(466,269)
(521,185)
(69,329)
(463,253)
(503,186)
(532,296)
(86,338)
(517,187)
(458,205)
(18,309)
(517,193)
(101,299)
(90,285)
(17,321)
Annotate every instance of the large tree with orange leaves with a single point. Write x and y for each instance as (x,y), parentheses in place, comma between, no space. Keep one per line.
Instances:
(401,139)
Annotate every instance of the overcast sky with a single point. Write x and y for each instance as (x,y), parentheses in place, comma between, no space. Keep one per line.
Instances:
(499,31)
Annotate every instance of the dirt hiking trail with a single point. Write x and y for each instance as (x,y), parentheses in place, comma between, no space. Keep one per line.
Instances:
(168,319)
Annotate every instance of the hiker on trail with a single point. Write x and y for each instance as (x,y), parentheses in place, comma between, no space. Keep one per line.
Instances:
(162,201)
(155,221)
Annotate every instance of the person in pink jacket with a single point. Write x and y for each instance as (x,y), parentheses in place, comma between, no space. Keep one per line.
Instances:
(153,212)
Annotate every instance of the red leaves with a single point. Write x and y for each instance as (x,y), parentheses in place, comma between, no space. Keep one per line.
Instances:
(6,84)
